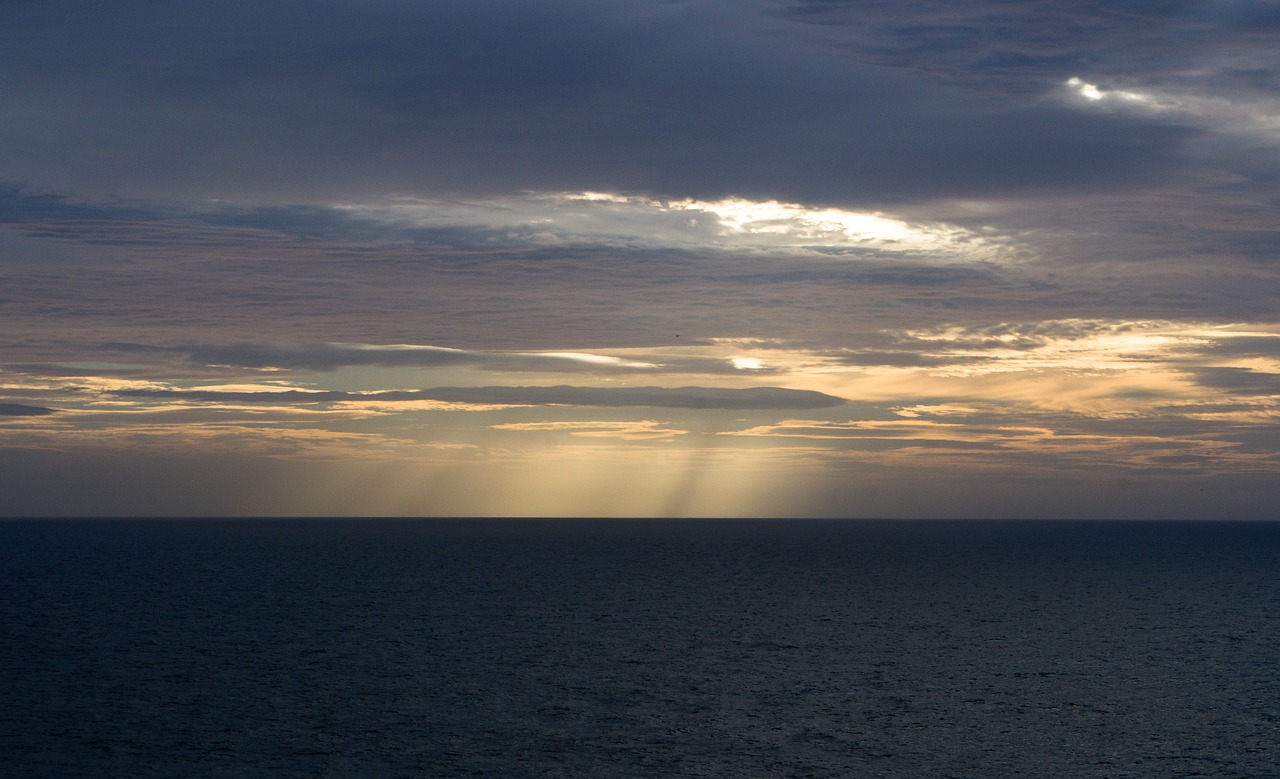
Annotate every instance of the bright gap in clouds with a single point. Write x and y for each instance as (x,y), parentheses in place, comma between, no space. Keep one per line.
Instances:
(1082,345)
(1255,114)
(602,360)
(562,218)
(1093,93)
(736,216)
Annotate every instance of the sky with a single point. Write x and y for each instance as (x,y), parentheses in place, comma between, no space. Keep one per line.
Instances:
(792,258)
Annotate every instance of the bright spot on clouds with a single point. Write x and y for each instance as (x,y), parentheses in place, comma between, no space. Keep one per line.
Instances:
(1087,91)
(1252,115)
(561,218)
(1069,344)
(771,217)
(747,363)
(936,410)
(603,360)
(1094,93)
(772,224)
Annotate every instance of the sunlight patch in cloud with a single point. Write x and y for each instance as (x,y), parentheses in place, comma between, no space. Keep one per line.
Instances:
(1081,345)
(935,410)
(1255,113)
(255,387)
(1098,369)
(1093,93)
(774,224)
(788,219)
(637,221)
(602,360)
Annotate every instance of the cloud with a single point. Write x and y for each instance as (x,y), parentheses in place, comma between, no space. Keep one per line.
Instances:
(156,100)
(731,223)
(897,430)
(333,356)
(1248,345)
(1085,344)
(1243,381)
(219,286)
(643,430)
(562,395)
(203,439)
(325,357)
(1029,238)
(1000,46)
(903,359)
(20,410)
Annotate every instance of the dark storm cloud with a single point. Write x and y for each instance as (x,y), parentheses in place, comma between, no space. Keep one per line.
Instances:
(302,102)
(655,397)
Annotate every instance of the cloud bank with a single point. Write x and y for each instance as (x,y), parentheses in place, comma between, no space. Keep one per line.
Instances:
(159,100)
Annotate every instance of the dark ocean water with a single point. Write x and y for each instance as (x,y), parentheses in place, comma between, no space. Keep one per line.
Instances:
(627,648)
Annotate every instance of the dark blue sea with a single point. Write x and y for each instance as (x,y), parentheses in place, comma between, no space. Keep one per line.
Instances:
(521,648)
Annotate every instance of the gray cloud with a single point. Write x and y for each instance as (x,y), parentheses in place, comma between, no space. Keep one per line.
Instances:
(1025,45)
(902,359)
(1251,346)
(17,205)
(235,100)
(64,371)
(1238,380)
(20,410)
(656,397)
(325,357)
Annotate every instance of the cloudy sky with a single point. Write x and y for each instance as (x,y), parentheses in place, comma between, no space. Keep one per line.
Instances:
(1006,258)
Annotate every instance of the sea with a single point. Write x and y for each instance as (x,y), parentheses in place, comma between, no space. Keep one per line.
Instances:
(639,648)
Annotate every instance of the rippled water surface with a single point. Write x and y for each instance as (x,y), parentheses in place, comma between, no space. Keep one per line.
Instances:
(606,648)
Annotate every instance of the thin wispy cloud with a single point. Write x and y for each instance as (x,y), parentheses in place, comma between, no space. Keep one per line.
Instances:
(330,356)
(560,395)
(643,430)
